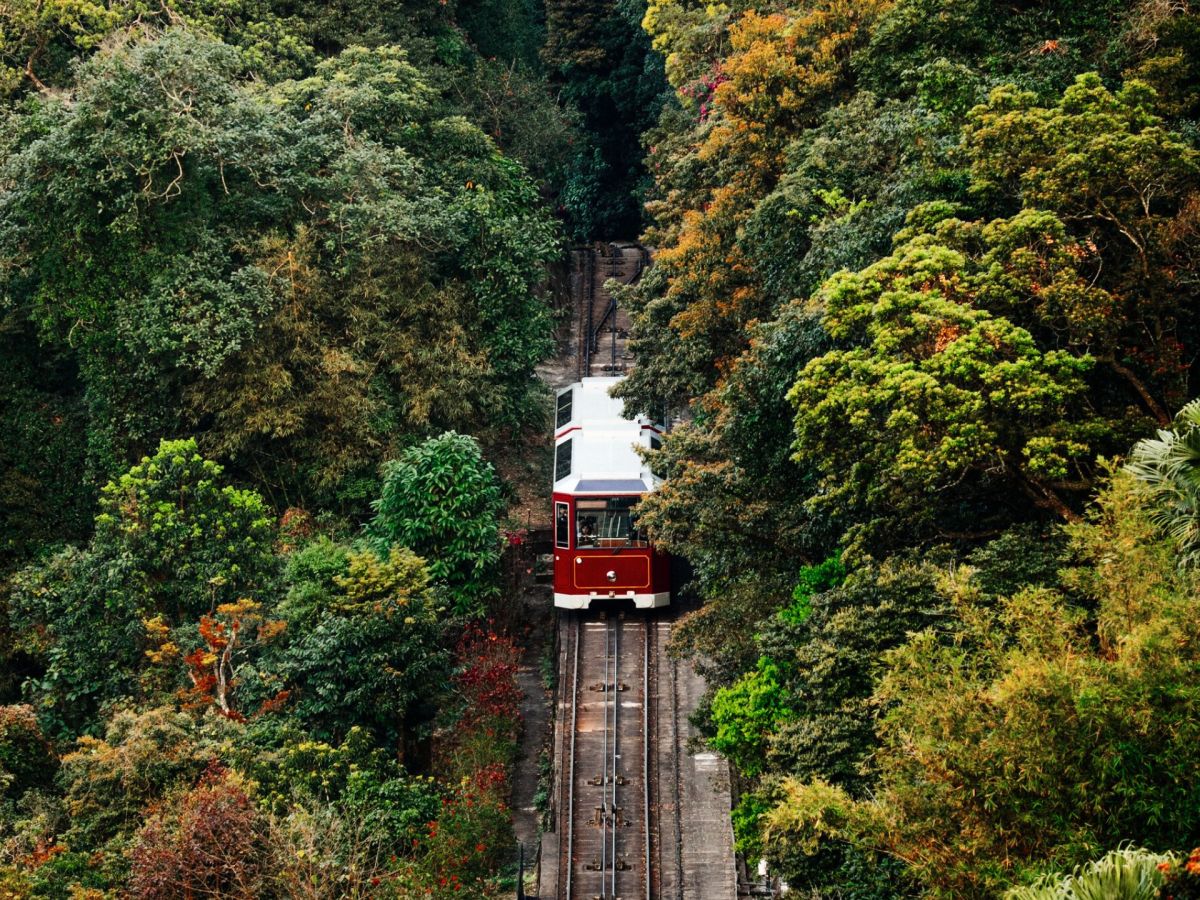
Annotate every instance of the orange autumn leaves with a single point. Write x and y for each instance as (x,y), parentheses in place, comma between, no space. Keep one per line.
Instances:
(782,71)
(233,633)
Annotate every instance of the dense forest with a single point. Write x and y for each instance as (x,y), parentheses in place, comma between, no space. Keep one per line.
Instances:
(926,279)
(924,302)
(271,297)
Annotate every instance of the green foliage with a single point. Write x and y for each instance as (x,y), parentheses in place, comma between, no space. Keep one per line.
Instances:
(1126,874)
(746,713)
(746,817)
(295,766)
(172,543)
(1046,730)
(143,755)
(813,580)
(373,655)
(805,834)
(733,502)
(949,390)
(846,189)
(192,543)
(310,575)
(1105,164)
(44,487)
(26,759)
(831,658)
(1023,556)
(1169,466)
(1040,46)
(303,273)
(441,499)
(40,40)
(603,61)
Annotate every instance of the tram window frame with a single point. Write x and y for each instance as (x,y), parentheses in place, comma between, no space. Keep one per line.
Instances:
(655,442)
(562,525)
(562,456)
(564,411)
(598,510)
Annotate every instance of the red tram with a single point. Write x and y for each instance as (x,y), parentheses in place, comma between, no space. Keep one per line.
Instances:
(599,555)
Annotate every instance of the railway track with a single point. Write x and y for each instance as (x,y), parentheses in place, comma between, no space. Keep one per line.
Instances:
(607,810)
(638,816)
(603,326)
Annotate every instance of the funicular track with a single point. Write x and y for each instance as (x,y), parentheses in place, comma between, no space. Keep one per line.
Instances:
(603,330)
(637,814)
(607,810)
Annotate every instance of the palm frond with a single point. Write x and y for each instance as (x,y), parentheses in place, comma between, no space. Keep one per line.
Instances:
(1169,466)
(1128,873)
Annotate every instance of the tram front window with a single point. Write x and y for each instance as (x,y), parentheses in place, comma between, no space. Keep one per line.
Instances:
(607,522)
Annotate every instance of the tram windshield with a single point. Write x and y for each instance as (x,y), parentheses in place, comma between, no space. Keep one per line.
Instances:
(607,522)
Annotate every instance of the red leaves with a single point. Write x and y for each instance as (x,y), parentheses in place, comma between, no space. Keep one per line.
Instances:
(213,846)
(214,632)
(274,704)
(487,678)
(464,844)
(234,632)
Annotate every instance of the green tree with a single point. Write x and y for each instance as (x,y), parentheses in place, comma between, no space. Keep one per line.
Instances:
(947,386)
(39,40)
(1109,168)
(170,542)
(733,503)
(373,656)
(602,61)
(142,757)
(441,499)
(1056,723)
(45,488)
(299,274)
(26,757)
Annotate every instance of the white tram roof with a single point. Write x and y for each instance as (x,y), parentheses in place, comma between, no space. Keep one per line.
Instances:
(602,441)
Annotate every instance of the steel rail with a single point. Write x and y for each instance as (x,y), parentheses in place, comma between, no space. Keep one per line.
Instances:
(604,809)
(646,751)
(616,693)
(589,293)
(678,794)
(571,763)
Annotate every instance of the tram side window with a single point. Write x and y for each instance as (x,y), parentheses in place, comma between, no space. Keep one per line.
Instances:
(564,408)
(607,522)
(562,460)
(562,526)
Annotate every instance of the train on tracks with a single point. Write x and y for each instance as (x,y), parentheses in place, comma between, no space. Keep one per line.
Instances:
(600,556)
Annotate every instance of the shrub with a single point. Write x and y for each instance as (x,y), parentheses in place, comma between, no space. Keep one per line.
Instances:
(171,544)
(442,500)
(373,654)
(26,758)
(213,844)
(143,757)
(1125,874)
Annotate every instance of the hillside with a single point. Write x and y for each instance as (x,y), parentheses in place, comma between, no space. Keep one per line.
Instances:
(915,285)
